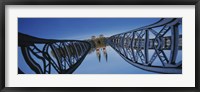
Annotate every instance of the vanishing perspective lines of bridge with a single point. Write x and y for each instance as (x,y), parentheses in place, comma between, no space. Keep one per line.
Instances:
(135,46)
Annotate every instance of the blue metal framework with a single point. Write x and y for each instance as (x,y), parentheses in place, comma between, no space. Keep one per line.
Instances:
(52,56)
(144,48)
(136,45)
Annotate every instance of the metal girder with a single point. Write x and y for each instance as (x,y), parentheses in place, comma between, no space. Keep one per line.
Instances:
(132,44)
(174,44)
(44,56)
(141,43)
(146,47)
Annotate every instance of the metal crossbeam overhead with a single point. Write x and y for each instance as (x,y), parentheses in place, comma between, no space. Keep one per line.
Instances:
(52,56)
(140,44)
(143,47)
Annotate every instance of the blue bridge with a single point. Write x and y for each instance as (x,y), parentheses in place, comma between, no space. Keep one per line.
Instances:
(134,46)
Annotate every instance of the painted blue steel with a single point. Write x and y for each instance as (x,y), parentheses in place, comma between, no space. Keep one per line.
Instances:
(157,69)
(123,43)
(174,45)
(146,46)
(133,46)
(141,44)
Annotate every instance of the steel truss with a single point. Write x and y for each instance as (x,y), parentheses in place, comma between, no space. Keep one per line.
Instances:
(135,46)
(52,56)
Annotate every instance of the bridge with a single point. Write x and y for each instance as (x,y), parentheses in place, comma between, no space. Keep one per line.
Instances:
(140,47)
(134,46)
(64,56)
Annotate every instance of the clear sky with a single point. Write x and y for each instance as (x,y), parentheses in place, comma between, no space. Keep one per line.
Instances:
(79,28)
(84,28)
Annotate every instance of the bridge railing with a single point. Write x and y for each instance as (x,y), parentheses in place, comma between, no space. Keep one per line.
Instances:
(145,46)
(45,56)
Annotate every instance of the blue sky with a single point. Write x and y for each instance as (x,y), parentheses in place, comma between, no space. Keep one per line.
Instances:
(84,28)
(79,28)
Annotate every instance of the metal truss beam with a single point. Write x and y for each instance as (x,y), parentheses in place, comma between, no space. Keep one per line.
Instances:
(46,56)
(141,44)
